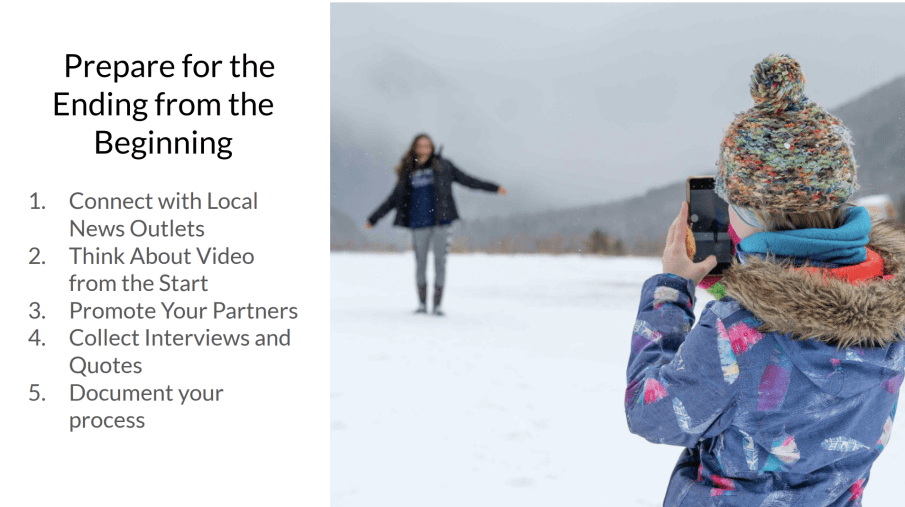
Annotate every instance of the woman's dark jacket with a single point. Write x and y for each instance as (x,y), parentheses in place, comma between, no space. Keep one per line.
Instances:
(445,173)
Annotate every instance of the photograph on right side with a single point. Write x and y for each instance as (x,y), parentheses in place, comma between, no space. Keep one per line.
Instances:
(617,254)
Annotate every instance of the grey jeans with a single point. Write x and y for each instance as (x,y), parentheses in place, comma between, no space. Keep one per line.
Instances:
(421,242)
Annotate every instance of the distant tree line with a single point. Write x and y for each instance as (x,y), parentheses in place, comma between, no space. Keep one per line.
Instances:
(373,246)
(600,243)
(597,243)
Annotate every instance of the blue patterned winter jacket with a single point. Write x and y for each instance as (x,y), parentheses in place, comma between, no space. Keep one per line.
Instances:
(785,391)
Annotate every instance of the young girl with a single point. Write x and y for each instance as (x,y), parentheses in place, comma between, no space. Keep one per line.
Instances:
(424,203)
(785,391)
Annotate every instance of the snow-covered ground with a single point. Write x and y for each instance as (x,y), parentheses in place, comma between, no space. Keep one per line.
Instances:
(515,397)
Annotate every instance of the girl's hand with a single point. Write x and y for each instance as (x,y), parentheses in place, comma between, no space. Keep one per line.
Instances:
(367,225)
(501,191)
(675,256)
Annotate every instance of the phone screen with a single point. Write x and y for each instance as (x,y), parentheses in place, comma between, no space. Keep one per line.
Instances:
(708,216)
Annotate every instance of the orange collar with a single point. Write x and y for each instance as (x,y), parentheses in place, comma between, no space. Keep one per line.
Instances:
(857,273)
(870,269)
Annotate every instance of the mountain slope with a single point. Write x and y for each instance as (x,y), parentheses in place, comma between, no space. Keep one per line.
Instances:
(877,122)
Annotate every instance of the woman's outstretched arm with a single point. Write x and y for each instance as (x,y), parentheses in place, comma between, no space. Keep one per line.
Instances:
(470,181)
(391,202)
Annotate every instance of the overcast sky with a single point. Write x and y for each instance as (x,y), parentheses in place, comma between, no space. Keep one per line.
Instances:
(575,104)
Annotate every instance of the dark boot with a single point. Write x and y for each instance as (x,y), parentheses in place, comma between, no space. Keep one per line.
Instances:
(422,298)
(438,297)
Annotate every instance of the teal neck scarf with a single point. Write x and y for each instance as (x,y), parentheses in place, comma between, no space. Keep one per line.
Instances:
(843,246)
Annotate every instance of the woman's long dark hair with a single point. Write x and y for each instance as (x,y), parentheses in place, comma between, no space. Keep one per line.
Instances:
(405,166)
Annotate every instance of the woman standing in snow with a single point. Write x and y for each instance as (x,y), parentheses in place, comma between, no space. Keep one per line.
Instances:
(785,391)
(424,203)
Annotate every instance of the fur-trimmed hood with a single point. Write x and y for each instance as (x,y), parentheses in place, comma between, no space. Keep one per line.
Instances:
(811,305)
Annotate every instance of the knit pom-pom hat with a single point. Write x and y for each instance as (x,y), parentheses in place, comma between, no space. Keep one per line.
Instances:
(786,153)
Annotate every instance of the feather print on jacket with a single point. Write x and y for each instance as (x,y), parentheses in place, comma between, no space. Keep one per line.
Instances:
(783,392)
(775,381)
(783,454)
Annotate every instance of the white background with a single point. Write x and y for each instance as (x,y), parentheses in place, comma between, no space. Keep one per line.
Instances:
(266,442)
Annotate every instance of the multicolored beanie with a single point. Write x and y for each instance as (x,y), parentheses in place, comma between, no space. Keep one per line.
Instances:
(786,153)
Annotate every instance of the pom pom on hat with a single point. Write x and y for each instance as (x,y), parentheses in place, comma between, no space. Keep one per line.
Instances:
(786,153)
(777,83)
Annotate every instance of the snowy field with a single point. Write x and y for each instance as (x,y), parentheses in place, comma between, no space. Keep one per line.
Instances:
(514,398)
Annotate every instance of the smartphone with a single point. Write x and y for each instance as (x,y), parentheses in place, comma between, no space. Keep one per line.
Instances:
(708,216)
